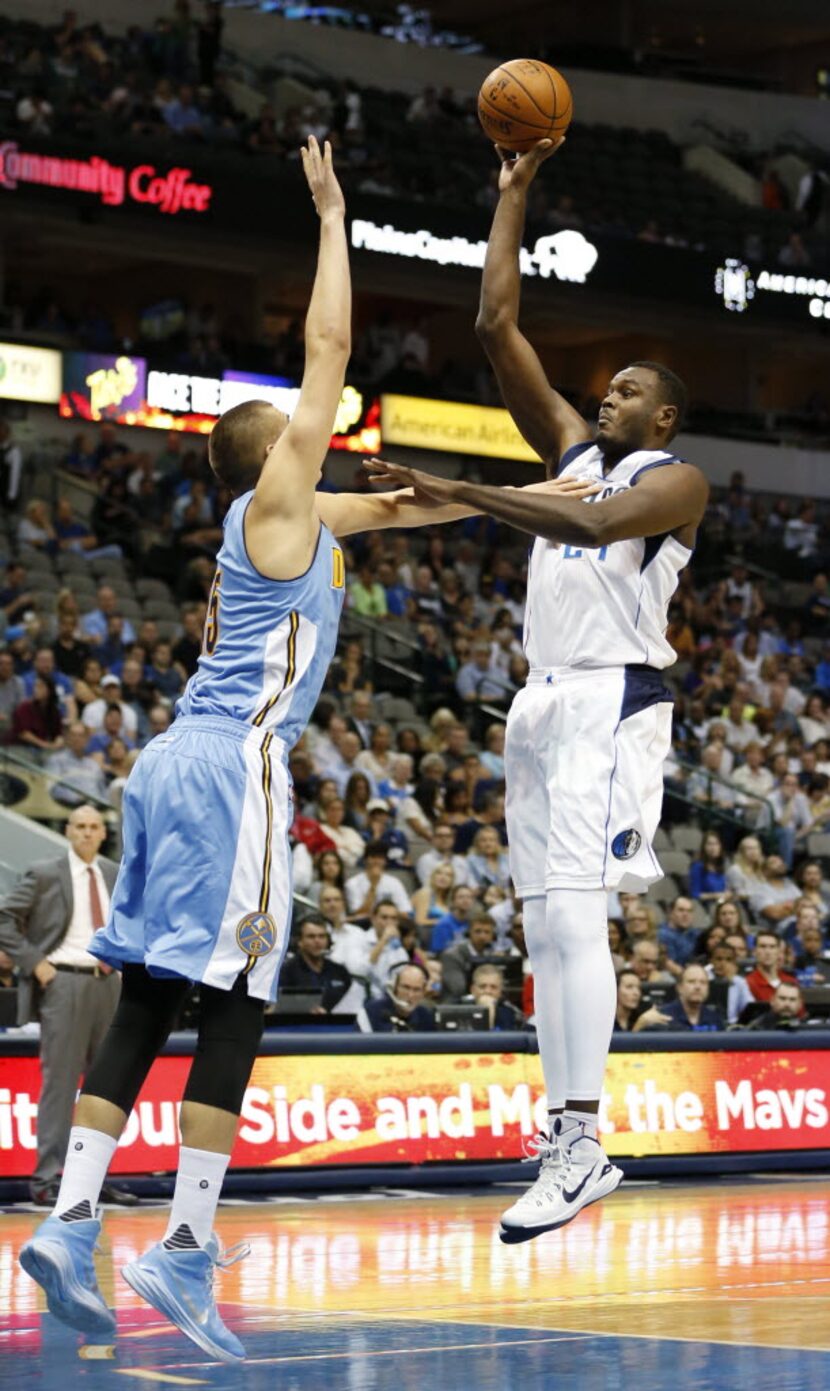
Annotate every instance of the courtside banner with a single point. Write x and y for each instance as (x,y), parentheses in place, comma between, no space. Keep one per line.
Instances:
(452,427)
(303,1111)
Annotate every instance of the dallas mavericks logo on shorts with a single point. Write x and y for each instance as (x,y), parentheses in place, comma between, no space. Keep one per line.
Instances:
(257,934)
(626,844)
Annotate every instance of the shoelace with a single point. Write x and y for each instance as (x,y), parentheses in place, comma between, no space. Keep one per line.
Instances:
(540,1146)
(224,1259)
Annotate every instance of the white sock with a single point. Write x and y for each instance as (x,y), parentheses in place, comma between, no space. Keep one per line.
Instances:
(88,1157)
(585,1122)
(199,1179)
(547,1001)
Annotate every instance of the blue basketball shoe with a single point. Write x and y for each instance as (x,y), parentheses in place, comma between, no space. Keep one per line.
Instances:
(59,1259)
(178,1282)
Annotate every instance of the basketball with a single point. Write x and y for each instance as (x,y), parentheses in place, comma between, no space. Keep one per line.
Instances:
(524,101)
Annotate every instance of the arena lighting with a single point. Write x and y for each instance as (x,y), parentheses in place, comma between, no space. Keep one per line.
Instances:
(171,192)
(734,285)
(566,255)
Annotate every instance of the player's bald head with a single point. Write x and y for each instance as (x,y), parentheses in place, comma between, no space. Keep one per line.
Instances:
(240,440)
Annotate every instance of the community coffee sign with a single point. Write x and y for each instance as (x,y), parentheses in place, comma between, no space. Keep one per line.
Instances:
(172,191)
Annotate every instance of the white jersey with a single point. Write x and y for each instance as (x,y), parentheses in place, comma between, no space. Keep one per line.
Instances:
(606,606)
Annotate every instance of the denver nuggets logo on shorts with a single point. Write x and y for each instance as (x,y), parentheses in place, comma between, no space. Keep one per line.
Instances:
(626,844)
(256,934)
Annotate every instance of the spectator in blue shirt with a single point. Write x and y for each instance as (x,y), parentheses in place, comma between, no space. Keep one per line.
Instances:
(810,966)
(94,623)
(689,1013)
(677,935)
(707,875)
(445,931)
(182,116)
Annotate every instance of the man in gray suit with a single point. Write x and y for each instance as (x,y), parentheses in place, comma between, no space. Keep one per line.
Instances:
(46,922)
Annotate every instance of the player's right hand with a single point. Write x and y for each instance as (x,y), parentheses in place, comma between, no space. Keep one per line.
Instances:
(322,180)
(519,171)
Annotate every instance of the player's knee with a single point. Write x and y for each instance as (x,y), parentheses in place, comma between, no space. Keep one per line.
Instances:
(146,1013)
(230,1032)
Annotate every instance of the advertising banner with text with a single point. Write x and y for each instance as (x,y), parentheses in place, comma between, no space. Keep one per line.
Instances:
(452,427)
(365,1109)
(29,374)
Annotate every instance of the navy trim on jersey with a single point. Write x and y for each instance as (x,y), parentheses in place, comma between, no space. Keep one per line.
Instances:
(658,463)
(651,548)
(642,688)
(270,579)
(572,453)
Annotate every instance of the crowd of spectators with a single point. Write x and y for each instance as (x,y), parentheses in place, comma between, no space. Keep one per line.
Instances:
(400,864)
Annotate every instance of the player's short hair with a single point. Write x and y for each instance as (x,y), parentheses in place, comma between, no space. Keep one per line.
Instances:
(672,391)
(237,443)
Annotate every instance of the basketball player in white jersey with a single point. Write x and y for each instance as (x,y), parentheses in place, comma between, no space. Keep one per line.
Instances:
(587,737)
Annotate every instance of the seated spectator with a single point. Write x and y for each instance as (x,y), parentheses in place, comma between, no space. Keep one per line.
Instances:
(380,829)
(432,901)
(466,952)
(35,528)
(723,966)
(809,880)
(328,869)
(37,722)
(84,777)
(36,114)
(745,875)
(74,535)
(811,966)
(677,934)
(385,942)
(689,1012)
(162,675)
(374,883)
(398,786)
(707,877)
(94,623)
(487,862)
(310,972)
(15,594)
(93,713)
(348,843)
(112,728)
(69,650)
(706,786)
(182,115)
(376,759)
(367,595)
(401,1009)
(786,1009)
(349,947)
(454,923)
(487,989)
(773,902)
(11,693)
(476,680)
(764,980)
(359,721)
(814,723)
(793,818)
(645,962)
(754,782)
(417,815)
(188,647)
(629,1000)
(356,798)
(443,841)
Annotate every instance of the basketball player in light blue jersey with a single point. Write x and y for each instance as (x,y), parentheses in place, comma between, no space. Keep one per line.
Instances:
(204,889)
(587,737)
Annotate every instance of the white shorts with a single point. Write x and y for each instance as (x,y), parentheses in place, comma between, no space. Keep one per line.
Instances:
(584,772)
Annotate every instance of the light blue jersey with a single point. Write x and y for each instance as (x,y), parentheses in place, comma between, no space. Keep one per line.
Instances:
(204,888)
(268,643)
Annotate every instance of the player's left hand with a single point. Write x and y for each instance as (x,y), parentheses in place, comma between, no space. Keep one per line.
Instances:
(426,487)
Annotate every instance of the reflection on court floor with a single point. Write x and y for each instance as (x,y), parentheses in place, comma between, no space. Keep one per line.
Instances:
(714,1285)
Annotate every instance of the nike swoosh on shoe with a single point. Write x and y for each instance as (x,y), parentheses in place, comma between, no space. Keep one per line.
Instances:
(572,1197)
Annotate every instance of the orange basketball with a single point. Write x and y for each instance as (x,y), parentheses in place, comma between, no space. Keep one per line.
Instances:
(524,101)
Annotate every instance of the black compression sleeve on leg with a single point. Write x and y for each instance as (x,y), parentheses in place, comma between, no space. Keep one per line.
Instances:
(142,1022)
(230,1031)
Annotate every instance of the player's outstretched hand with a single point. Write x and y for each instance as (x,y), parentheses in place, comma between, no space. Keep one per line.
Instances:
(426,487)
(519,171)
(570,487)
(322,180)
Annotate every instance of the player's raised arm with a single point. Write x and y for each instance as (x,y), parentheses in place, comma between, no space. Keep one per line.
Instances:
(542,415)
(286,486)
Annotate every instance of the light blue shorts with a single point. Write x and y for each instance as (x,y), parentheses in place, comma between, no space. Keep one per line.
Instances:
(204,888)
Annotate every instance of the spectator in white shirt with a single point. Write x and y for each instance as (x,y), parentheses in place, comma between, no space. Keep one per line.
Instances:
(350,947)
(376,760)
(374,883)
(754,781)
(792,813)
(93,713)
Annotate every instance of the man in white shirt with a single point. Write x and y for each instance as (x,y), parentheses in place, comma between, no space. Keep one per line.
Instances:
(793,817)
(373,883)
(754,783)
(46,922)
(739,730)
(350,947)
(93,713)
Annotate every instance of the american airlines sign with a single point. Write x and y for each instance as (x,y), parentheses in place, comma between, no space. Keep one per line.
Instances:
(565,255)
(171,192)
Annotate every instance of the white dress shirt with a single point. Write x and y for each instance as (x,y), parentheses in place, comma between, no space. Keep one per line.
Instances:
(72,951)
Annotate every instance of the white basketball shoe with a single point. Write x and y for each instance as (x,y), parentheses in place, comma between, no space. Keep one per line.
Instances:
(574,1172)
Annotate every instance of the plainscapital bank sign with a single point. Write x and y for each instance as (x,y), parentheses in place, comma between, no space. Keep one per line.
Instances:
(566,255)
(172,192)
